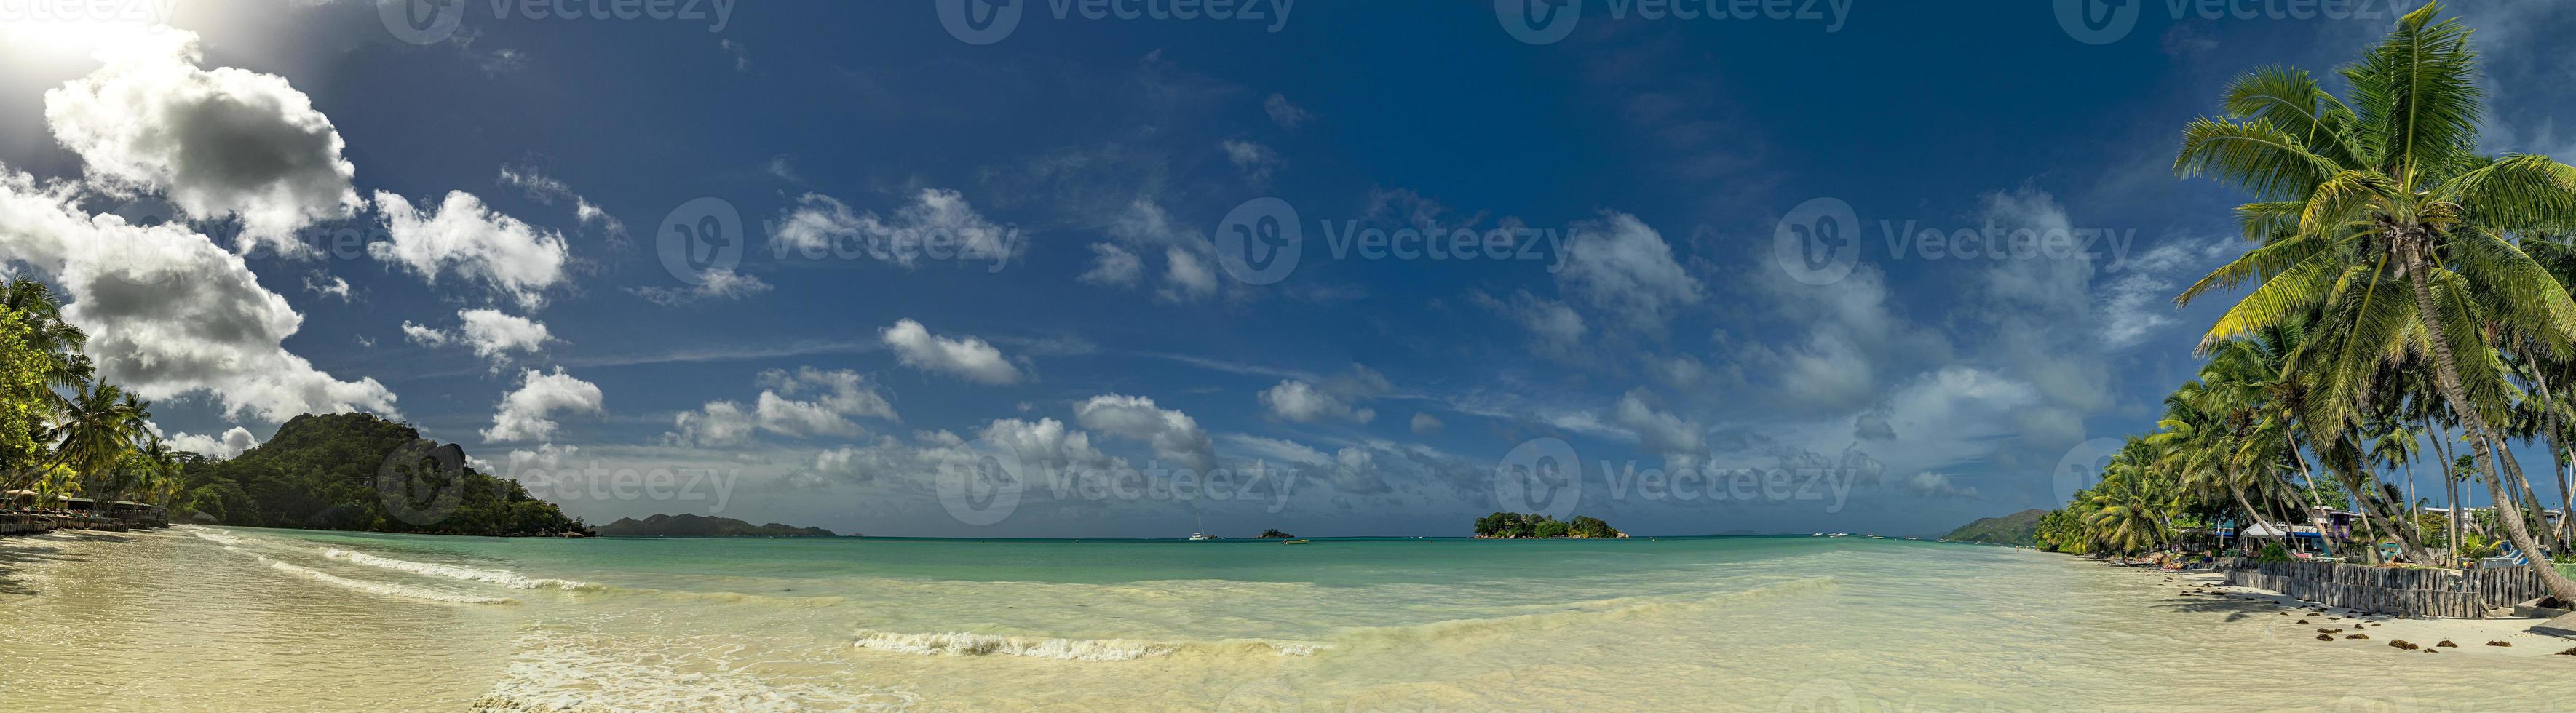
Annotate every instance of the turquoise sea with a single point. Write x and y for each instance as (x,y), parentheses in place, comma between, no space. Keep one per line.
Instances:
(227,618)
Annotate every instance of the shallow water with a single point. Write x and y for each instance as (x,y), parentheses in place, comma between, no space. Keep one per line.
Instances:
(225,618)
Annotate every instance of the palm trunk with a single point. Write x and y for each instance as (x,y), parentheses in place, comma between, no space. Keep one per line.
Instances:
(2446,374)
(2450,490)
(2310,506)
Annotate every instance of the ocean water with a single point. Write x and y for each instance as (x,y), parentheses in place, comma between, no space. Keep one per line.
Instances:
(216,618)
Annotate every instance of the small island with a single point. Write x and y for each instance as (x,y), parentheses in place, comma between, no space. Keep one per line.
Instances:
(1521,526)
(688,525)
(2021,528)
(1275,534)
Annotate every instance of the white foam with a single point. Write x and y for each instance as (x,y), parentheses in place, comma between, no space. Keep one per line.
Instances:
(500,577)
(225,540)
(958,643)
(390,590)
(554,675)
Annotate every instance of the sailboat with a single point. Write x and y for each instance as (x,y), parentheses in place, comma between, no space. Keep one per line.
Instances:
(1202,534)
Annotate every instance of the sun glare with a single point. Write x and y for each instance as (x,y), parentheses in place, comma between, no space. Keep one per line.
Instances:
(56,35)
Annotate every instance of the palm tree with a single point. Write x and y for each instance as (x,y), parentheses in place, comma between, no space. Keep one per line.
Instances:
(61,342)
(2379,213)
(97,429)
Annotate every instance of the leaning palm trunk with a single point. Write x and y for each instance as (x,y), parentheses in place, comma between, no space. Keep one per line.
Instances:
(2446,374)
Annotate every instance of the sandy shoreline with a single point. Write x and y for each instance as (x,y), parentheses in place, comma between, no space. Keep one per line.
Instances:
(2297,622)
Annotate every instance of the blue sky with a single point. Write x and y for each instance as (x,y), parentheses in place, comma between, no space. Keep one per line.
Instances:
(1646,165)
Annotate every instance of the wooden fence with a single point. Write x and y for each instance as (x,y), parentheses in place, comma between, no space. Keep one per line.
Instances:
(2386,590)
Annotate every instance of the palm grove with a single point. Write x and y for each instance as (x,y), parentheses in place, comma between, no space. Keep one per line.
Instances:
(2408,308)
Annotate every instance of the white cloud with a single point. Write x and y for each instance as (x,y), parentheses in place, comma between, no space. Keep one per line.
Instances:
(1186,277)
(230,444)
(327,286)
(1286,115)
(1621,265)
(713,284)
(1252,158)
(1113,266)
(492,335)
(1300,402)
(527,414)
(221,142)
(548,189)
(1426,424)
(168,312)
(802,403)
(1938,485)
(477,243)
(1658,432)
(1177,439)
(935,219)
(968,358)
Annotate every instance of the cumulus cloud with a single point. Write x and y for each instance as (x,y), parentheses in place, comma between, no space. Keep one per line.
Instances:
(230,443)
(473,241)
(1937,485)
(969,358)
(1300,402)
(492,335)
(802,403)
(935,218)
(220,143)
(1177,439)
(327,286)
(168,312)
(527,414)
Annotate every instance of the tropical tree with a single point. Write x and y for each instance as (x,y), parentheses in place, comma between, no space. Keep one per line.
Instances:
(2379,213)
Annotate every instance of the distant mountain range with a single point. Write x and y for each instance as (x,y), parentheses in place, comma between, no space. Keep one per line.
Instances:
(686,525)
(2021,528)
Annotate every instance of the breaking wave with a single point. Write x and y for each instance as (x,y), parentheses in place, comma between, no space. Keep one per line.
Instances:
(1606,609)
(554,675)
(965,644)
(390,590)
(500,577)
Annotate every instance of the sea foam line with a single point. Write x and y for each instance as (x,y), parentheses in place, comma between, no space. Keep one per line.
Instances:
(390,590)
(500,577)
(958,643)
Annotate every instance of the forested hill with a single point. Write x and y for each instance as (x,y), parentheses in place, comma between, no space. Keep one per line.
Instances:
(2021,528)
(687,525)
(323,472)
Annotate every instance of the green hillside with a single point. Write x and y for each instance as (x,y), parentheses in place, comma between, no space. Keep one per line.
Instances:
(2021,528)
(355,471)
(685,525)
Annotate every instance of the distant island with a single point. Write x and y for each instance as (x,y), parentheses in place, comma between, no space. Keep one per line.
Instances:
(1517,526)
(1275,534)
(322,472)
(2021,528)
(687,525)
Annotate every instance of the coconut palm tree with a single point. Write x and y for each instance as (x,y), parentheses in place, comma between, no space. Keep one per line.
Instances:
(2379,213)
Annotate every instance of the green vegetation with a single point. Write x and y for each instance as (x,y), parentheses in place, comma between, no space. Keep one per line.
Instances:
(1275,534)
(2021,528)
(1512,525)
(687,525)
(62,434)
(321,472)
(2405,289)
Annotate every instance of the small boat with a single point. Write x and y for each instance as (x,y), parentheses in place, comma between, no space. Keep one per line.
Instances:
(1298,542)
(1202,536)
(1820,534)
(1840,534)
